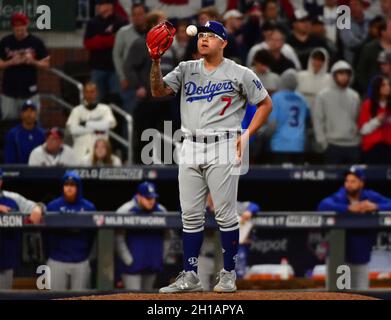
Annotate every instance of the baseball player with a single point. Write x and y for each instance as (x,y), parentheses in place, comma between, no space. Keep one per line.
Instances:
(11,240)
(214,92)
(69,250)
(140,253)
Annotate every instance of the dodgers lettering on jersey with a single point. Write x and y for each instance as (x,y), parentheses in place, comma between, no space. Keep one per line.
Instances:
(214,100)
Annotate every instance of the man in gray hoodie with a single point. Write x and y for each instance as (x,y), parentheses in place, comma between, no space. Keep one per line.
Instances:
(335,118)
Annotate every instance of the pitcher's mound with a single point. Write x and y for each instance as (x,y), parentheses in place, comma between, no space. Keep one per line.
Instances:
(241,295)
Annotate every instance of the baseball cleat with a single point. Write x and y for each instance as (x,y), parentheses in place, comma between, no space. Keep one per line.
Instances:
(227,282)
(186,281)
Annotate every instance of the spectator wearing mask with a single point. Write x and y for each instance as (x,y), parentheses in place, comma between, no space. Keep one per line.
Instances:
(301,39)
(367,66)
(288,121)
(353,198)
(89,121)
(102,155)
(352,39)
(315,77)
(270,38)
(375,123)
(261,66)
(69,250)
(124,39)
(53,152)
(150,112)
(25,137)
(99,41)
(21,56)
(11,239)
(335,118)
(140,253)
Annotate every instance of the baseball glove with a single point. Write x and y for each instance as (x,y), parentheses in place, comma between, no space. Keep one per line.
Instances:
(160,38)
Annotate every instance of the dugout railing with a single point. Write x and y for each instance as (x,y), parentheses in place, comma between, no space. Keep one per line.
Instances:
(106,222)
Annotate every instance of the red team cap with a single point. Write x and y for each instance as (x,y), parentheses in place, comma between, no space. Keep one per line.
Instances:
(19,19)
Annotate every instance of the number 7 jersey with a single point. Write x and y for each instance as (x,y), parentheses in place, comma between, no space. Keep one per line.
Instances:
(216,100)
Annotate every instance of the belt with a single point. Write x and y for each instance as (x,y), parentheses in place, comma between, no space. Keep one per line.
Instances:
(214,138)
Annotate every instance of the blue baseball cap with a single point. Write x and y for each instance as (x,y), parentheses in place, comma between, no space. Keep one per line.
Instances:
(357,171)
(147,190)
(215,27)
(28,104)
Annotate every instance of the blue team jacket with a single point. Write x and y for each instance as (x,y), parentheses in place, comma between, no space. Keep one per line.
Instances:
(359,243)
(10,240)
(69,245)
(146,246)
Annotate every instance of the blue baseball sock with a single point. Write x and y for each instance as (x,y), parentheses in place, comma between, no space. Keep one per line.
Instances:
(192,243)
(230,244)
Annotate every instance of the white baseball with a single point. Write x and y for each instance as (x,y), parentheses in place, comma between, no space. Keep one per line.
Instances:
(191,30)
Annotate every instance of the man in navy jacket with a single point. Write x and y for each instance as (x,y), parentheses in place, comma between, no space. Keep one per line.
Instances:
(69,250)
(140,252)
(355,199)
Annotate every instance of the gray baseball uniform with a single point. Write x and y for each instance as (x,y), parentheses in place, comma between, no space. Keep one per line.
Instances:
(211,104)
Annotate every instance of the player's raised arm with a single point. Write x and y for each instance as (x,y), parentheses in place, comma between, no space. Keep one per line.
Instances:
(159,40)
(158,86)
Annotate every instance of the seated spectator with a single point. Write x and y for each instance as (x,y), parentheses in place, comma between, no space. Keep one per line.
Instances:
(89,121)
(69,250)
(140,253)
(102,155)
(301,38)
(384,61)
(375,123)
(10,239)
(315,77)
(286,50)
(367,67)
(335,118)
(53,152)
(353,38)
(22,139)
(355,199)
(21,55)
(99,41)
(280,62)
(288,121)
(261,66)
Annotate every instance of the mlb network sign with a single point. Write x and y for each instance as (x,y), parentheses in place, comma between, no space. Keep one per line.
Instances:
(43,14)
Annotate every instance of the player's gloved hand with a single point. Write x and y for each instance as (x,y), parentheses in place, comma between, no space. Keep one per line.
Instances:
(159,39)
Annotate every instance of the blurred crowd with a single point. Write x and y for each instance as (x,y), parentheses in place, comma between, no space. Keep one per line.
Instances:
(327,70)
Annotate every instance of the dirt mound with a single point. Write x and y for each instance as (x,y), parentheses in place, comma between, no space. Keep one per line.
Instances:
(241,295)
